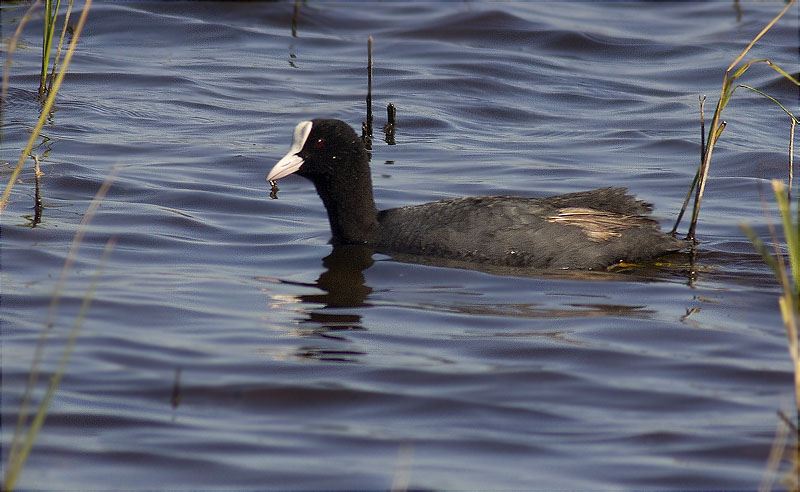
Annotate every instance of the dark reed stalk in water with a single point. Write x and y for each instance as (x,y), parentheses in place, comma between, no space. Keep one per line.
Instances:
(369,87)
(37,207)
(696,175)
(391,115)
(295,18)
(391,124)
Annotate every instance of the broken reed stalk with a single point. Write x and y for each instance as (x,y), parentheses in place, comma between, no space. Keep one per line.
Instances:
(46,107)
(391,124)
(369,86)
(718,126)
(702,127)
(697,174)
(295,18)
(703,177)
(37,206)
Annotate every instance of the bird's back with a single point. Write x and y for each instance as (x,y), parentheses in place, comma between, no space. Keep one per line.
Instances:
(590,229)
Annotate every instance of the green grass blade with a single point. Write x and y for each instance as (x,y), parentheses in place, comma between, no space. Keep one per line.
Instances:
(47,41)
(789,231)
(760,34)
(762,249)
(741,70)
(61,43)
(782,72)
(771,99)
(46,107)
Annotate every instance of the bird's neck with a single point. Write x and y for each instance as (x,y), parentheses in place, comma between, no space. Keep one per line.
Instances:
(351,211)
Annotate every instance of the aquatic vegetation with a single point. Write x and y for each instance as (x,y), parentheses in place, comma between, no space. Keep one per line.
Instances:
(529,339)
(51,13)
(25,433)
(789,280)
(46,106)
(715,131)
(788,276)
(789,303)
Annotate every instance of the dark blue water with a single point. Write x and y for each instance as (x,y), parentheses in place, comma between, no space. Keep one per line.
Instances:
(223,350)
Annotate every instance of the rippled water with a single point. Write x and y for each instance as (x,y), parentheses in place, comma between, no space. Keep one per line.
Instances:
(225,348)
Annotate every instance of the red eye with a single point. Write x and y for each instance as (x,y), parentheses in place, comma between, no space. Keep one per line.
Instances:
(319,143)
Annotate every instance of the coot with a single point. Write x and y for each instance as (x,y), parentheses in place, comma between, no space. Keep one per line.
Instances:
(585,230)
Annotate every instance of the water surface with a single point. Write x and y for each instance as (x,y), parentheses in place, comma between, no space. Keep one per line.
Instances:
(226,347)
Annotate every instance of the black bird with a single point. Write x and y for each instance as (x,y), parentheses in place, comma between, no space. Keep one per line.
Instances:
(586,230)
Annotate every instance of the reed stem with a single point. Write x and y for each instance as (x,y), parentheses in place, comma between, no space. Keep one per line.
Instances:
(37,205)
(697,174)
(791,160)
(47,41)
(717,127)
(60,43)
(46,107)
(369,87)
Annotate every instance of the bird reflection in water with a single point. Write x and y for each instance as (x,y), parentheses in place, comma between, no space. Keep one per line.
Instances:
(342,285)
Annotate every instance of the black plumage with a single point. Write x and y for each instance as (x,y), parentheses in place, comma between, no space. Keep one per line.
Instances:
(584,230)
